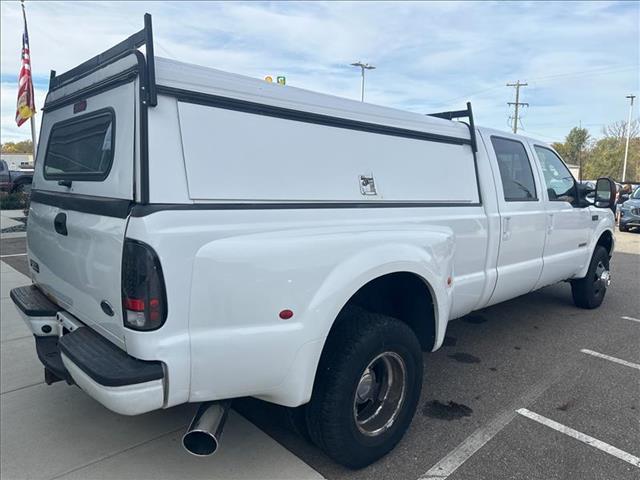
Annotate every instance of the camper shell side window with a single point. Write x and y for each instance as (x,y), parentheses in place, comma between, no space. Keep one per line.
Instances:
(81,148)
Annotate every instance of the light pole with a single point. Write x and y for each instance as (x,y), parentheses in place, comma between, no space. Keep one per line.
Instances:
(363,67)
(626,148)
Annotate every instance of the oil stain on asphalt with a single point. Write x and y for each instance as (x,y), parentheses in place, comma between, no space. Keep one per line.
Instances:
(474,319)
(464,357)
(444,411)
(449,341)
(566,405)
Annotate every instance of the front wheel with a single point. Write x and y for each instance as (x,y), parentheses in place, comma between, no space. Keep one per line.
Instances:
(367,388)
(588,292)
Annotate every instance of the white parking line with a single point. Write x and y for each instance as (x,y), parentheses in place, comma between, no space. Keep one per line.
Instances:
(466,449)
(474,442)
(584,438)
(13,255)
(624,317)
(611,359)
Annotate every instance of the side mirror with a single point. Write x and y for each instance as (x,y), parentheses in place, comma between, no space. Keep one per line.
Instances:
(605,194)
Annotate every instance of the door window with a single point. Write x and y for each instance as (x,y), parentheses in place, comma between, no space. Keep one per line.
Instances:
(515,170)
(557,177)
(81,148)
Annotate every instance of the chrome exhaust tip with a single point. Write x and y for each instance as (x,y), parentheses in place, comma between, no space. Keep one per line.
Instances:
(202,438)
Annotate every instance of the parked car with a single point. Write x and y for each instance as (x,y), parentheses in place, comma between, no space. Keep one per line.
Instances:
(630,212)
(197,236)
(12,181)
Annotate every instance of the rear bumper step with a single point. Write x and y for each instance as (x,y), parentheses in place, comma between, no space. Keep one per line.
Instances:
(120,382)
(104,362)
(32,302)
(38,312)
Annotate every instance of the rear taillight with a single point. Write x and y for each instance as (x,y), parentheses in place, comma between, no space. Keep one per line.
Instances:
(144,300)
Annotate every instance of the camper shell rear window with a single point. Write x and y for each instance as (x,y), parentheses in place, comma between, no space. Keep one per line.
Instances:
(81,148)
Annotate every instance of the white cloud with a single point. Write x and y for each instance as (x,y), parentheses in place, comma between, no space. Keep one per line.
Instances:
(430,56)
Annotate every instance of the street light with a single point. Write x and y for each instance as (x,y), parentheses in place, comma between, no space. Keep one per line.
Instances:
(626,148)
(363,67)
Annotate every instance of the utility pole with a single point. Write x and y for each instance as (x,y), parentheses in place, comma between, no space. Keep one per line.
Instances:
(580,159)
(517,103)
(363,67)
(626,148)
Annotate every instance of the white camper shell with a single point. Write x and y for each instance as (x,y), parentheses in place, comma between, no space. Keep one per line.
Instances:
(197,236)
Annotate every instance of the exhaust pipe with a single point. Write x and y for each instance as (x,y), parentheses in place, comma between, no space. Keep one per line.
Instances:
(202,438)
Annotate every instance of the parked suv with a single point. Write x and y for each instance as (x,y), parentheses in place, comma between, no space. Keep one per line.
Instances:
(197,236)
(630,212)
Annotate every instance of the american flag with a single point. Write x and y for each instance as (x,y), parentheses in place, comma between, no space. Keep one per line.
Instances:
(26,107)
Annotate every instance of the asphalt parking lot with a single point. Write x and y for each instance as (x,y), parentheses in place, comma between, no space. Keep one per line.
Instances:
(530,389)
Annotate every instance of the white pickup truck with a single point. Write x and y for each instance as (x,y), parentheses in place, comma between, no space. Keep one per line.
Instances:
(198,236)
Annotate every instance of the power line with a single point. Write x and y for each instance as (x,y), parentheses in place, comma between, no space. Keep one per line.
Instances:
(517,103)
(592,72)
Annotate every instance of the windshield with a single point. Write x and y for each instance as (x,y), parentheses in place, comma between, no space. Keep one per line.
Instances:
(636,194)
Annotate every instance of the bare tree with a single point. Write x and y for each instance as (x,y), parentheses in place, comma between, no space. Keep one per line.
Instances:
(619,129)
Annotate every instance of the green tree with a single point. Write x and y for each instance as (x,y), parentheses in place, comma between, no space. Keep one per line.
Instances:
(575,144)
(561,148)
(25,146)
(607,157)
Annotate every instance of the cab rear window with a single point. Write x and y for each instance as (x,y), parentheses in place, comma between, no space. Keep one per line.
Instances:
(81,148)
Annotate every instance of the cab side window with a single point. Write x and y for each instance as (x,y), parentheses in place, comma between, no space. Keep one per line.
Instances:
(559,182)
(515,170)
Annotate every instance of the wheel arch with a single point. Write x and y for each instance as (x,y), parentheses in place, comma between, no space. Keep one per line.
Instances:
(403,295)
(606,240)
(19,182)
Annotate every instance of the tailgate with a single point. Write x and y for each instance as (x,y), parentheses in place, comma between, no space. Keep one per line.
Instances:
(83,186)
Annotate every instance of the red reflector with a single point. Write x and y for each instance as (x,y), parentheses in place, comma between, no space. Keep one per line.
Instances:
(134,304)
(286,314)
(80,106)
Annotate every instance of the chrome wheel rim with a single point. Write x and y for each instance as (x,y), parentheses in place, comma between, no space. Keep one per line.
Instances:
(602,278)
(380,394)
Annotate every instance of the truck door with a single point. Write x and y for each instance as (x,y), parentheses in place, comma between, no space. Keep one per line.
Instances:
(568,226)
(522,216)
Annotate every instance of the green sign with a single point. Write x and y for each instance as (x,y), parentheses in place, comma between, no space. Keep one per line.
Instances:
(281,80)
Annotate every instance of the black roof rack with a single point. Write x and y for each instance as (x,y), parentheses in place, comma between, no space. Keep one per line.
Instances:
(455,114)
(127,46)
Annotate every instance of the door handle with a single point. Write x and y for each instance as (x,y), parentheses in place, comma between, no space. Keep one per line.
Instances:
(60,223)
(550,224)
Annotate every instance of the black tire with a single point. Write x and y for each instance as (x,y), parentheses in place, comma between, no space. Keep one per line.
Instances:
(297,421)
(622,228)
(24,187)
(357,343)
(589,292)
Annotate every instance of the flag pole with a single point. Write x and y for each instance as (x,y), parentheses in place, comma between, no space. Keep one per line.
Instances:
(32,119)
(33,137)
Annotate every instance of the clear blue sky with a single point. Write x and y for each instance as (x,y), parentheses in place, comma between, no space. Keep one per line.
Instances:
(580,59)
